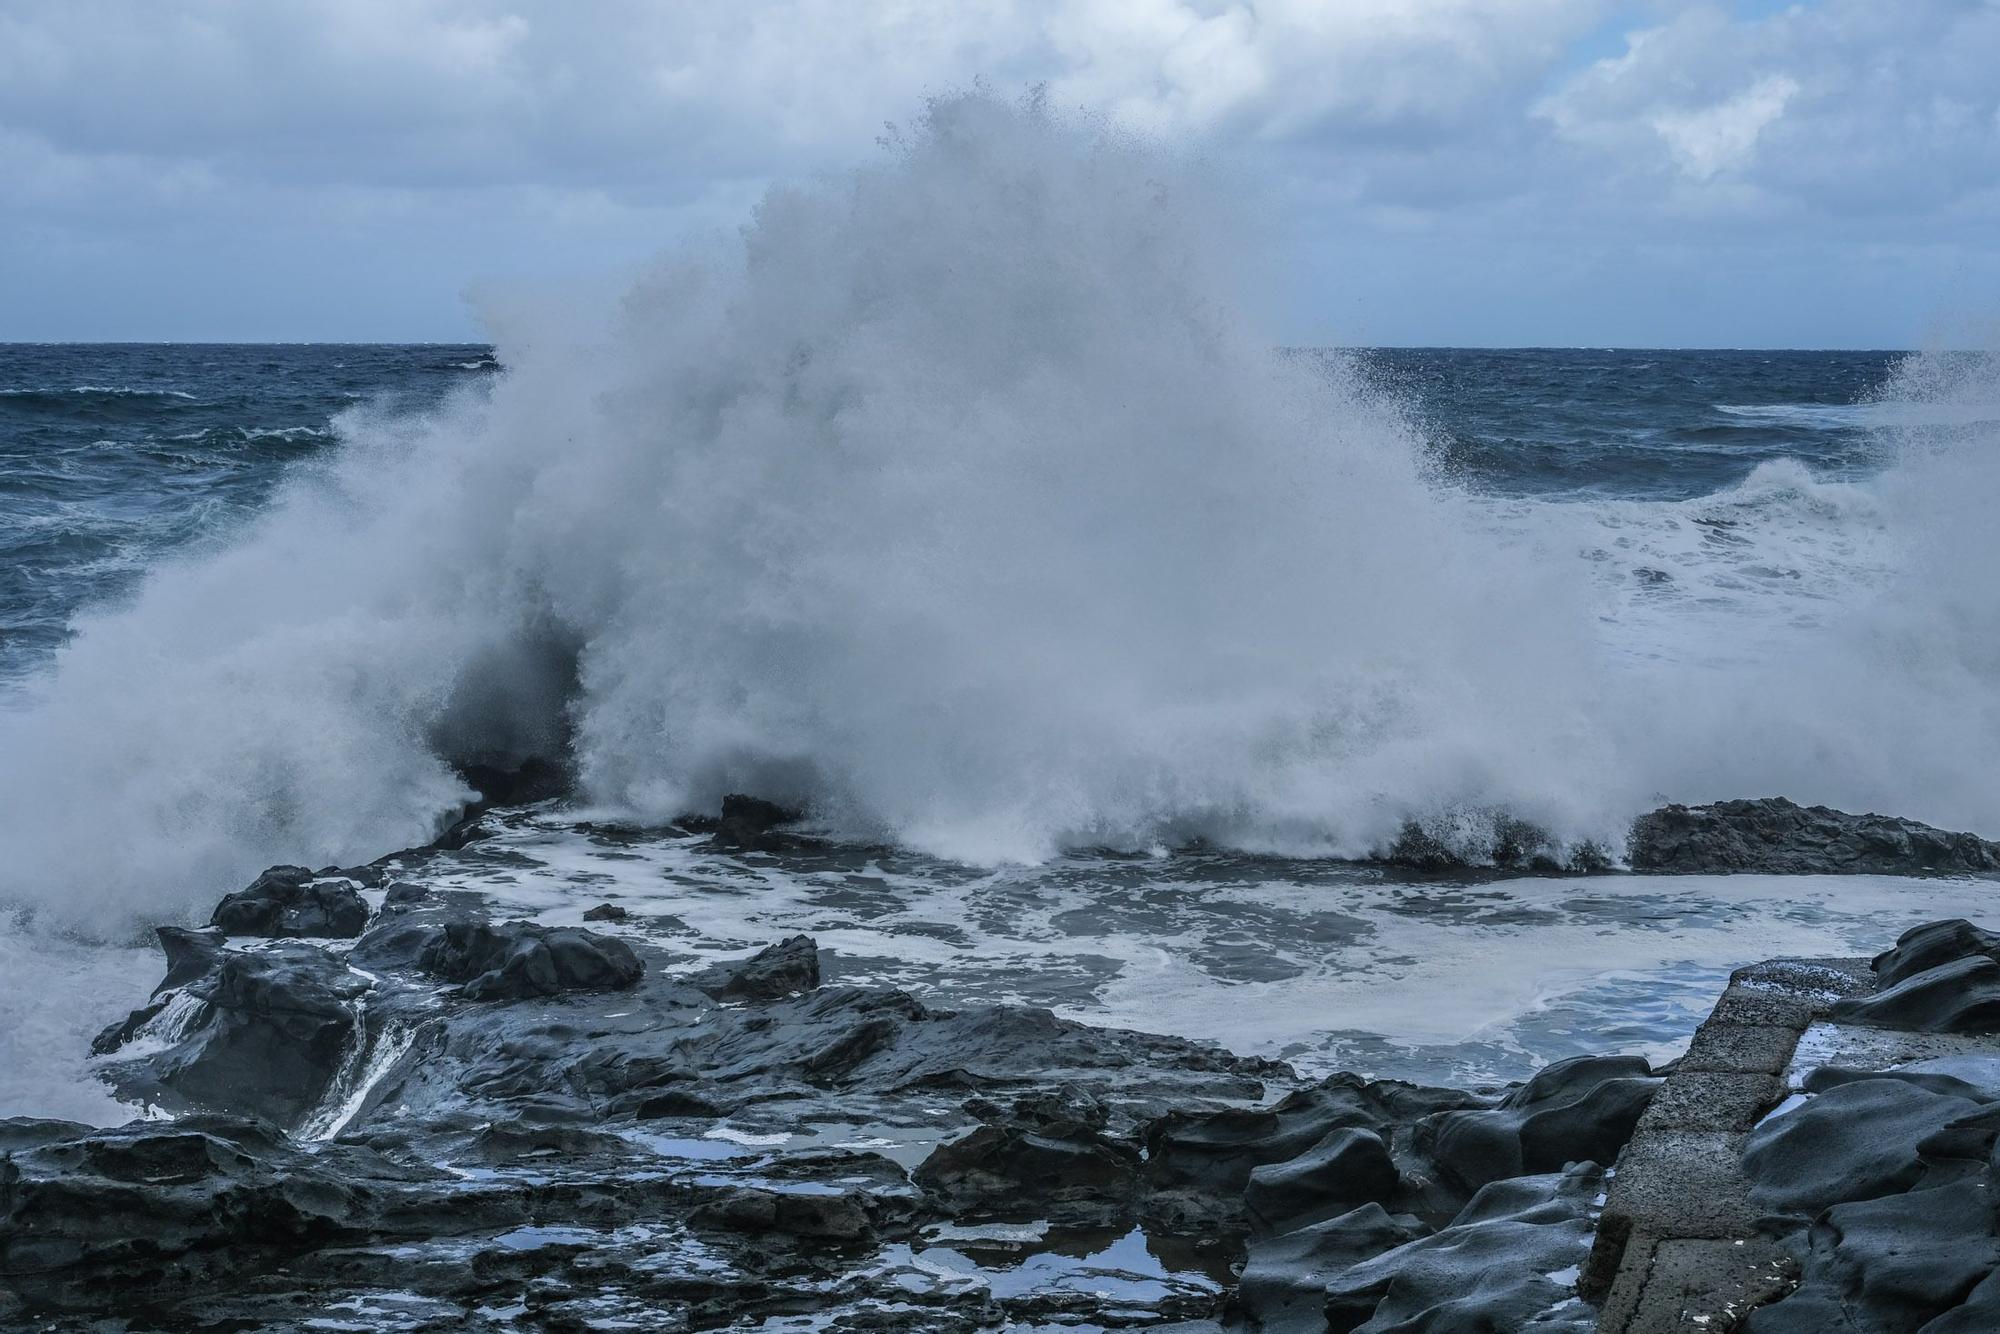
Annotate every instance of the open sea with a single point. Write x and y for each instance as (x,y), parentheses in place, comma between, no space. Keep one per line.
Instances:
(1093,678)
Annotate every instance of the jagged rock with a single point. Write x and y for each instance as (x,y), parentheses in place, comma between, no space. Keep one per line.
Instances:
(776,970)
(1774,836)
(505,960)
(270,1033)
(1350,1166)
(1044,1157)
(1856,1141)
(150,1211)
(605,912)
(751,824)
(284,902)
(1962,996)
(1581,1109)
(1488,1271)
(1285,1276)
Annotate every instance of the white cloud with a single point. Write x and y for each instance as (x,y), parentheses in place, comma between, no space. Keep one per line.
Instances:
(1707,141)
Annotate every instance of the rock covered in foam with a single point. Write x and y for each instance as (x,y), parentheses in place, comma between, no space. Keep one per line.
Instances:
(286,901)
(1774,836)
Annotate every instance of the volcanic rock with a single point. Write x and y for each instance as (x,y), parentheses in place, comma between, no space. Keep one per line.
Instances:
(284,902)
(1774,836)
(1581,1109)
(1490,1270)
(774,971)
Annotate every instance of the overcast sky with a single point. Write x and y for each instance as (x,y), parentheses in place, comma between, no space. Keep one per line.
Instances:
(1636,172)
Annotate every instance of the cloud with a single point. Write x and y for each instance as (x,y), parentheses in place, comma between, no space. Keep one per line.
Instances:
(492,135)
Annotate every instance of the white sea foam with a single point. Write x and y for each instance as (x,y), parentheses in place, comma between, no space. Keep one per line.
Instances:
(960,500)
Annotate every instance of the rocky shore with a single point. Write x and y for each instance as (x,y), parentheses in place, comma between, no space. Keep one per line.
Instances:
(374,1101)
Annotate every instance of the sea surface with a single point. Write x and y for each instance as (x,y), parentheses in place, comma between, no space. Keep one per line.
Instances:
(211,591)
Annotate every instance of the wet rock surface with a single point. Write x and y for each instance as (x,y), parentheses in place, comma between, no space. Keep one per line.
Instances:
(1773,836)
(292,901)
(459,1120)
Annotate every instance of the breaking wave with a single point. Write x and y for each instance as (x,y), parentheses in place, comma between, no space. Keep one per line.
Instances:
(961,501)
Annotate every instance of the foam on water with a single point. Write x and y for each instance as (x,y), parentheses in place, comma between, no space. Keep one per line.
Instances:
(961,502)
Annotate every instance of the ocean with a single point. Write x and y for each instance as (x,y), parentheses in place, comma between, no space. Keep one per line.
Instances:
(967,503)
(223,637)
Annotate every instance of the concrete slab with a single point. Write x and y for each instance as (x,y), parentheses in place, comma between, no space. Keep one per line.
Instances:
(1712,1100)
(1750,1049)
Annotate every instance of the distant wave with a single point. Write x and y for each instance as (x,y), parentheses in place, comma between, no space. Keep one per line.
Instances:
(108,390)
(1883,415)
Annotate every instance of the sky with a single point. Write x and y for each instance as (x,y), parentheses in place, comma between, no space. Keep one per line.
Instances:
(1436,172)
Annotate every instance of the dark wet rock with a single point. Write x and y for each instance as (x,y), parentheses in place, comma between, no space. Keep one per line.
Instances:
(1199,1164)
(753,824)
(605,912)
(774,971)
(265,1033)
(506,960)
(1285,1276)
(1581,1109)
(1962,996)
(1774,836)
(1348,1167)
(285,901)
(403,896)
(533,779)
(1925,947)
(151,1211)
(1855,1141)
(1899,1262)
(1071,1175)
(830,1217)
(1488,1271)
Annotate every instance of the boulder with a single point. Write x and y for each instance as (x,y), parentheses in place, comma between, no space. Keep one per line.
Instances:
(1579,1110)
(752,824)
(284,901)
(605,912)
(776,970)
(1774,836)
(269,1032)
